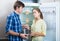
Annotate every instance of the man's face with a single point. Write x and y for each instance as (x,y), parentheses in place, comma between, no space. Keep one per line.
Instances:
(20,9)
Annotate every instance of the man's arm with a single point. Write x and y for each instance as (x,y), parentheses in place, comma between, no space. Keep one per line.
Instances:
(9,28)
(17,34)
(13,33)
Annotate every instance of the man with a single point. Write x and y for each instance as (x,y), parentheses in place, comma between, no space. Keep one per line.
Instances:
(14,27)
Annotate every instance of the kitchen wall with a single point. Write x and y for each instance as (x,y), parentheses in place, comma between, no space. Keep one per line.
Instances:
(6,6)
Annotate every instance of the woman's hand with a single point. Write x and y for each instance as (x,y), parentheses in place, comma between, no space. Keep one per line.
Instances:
(32,34)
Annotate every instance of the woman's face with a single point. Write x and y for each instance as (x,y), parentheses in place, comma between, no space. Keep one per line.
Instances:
(36,13)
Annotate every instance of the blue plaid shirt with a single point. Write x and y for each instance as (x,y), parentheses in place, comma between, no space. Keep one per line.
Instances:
(14,24)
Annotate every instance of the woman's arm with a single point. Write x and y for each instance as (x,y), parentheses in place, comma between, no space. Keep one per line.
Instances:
(37,34)
(42,32)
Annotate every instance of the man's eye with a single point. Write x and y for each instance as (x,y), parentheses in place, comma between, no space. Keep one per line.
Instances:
(34,12)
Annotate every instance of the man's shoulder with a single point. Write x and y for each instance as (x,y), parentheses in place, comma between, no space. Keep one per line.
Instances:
(11,14)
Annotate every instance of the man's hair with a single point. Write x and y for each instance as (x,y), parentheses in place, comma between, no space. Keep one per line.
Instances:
(18,4)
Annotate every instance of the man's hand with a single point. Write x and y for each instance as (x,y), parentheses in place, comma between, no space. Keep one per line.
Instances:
(24,36)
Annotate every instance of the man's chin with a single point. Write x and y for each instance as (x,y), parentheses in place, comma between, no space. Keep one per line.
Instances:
(20,12)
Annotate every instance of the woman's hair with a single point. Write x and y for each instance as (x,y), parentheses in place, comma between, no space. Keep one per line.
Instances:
(39,11)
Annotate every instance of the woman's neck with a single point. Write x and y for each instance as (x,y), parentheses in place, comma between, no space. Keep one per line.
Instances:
(38,18)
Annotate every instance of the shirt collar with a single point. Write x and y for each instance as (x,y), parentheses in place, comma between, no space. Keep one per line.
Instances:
(16,13)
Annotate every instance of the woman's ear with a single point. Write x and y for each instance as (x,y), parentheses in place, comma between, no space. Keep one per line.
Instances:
(39,14)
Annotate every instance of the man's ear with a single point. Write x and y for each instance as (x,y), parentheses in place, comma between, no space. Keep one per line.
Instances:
(16,7)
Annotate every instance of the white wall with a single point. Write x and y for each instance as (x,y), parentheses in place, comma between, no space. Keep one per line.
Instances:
(57,10)
(6,6)
(59,21)
(47,1)
(58,24)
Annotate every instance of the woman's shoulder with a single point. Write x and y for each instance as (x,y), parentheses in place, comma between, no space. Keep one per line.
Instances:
(33,20)
(42,21)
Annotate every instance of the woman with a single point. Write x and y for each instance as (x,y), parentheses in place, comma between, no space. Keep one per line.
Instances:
(38,28)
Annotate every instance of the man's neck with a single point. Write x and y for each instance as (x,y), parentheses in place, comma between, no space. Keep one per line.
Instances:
(17,12)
